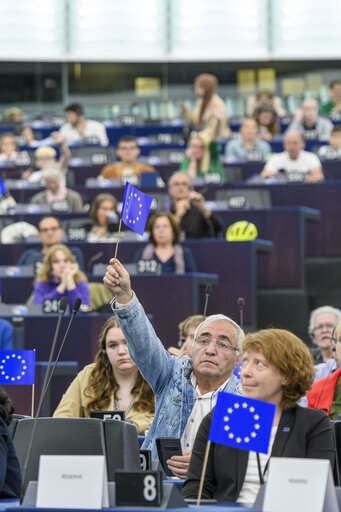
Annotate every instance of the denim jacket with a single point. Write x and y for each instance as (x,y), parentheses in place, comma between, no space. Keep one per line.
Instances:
(168,376)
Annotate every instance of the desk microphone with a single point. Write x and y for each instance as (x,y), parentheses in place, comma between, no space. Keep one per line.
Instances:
(75,309)
(241,304)
(207,294)
(63,303)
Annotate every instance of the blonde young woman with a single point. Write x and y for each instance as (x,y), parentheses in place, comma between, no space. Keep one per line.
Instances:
(59,277)
(112,382)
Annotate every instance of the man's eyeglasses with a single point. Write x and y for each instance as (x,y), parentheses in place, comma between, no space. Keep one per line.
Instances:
(323,326)
(224,346)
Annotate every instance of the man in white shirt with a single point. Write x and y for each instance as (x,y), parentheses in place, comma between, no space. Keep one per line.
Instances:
(294,160)
(80,130)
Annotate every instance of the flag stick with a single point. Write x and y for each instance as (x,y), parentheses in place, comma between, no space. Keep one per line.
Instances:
(32,398)
(203,471)
(118,238)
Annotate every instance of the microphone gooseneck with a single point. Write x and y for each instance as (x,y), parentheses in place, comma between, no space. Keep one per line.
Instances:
(92,260)
(241,304)
(207,294)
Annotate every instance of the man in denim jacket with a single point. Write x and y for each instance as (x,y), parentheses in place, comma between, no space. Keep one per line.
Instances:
(185,389)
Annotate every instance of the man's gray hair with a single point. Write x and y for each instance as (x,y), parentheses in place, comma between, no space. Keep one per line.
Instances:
(224,318)
(319,311)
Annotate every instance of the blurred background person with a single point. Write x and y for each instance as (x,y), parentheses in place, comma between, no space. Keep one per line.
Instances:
(203,116)
(128,152)
(332,151)
(186,336)
(276,367)
(105,218)
(46,156)
(6,335)
(202,157)
(333,106)
(248,146)
(322,322)
(294,159)
(50,233)
(264,97)
(10,474)
(308,122)
(78,128)
(195,218)
(266,119)
(55,191)
(164,247)
(112,383)
(9,151)
(60,276)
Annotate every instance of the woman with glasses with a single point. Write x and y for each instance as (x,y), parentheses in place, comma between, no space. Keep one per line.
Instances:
(277,367)
(326,393)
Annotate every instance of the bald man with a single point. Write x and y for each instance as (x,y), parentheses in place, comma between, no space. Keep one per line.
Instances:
(294,160)
(310,125)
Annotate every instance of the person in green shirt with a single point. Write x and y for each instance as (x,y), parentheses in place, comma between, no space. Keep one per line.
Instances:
(334,104)
(202,157)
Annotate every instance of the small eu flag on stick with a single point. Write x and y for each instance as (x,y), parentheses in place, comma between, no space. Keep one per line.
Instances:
(239,422)
(135,210)
(17,366)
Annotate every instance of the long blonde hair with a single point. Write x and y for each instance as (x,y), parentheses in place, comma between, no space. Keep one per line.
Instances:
(102,382)
(45,273)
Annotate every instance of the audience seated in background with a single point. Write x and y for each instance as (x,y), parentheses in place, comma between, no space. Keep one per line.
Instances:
(80,130)
(308,122)
(56,194)
(6,335)
(128,152)
(266,119)
(50,233)
(177,382)
(202,157)
(322,322)
(10,474)
(203,117)
(103,213)
(9,151)
(13,116)
(333,107)
(332,151)
(186,336)
(111,383)
(60,276)
(277,368)
(294,160)
(195,218)
(326,392)
(45,156)
(164,247)
(248,147)
(264,97)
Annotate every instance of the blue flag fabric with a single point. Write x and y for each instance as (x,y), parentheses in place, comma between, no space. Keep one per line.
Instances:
(242,422)
(135,208)
(17,366)
(2,188)
(237,371)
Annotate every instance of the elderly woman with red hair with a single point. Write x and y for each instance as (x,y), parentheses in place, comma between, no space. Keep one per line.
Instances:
(209,115)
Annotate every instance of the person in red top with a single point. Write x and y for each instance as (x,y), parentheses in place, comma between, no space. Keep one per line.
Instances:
(326,393)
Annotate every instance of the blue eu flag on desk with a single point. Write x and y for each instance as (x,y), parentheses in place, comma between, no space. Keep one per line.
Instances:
(135,209)
(17,366)
(242,422)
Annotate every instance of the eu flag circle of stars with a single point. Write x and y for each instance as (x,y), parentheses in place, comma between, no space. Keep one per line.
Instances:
(13,365)
(247,416)
(127,207)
